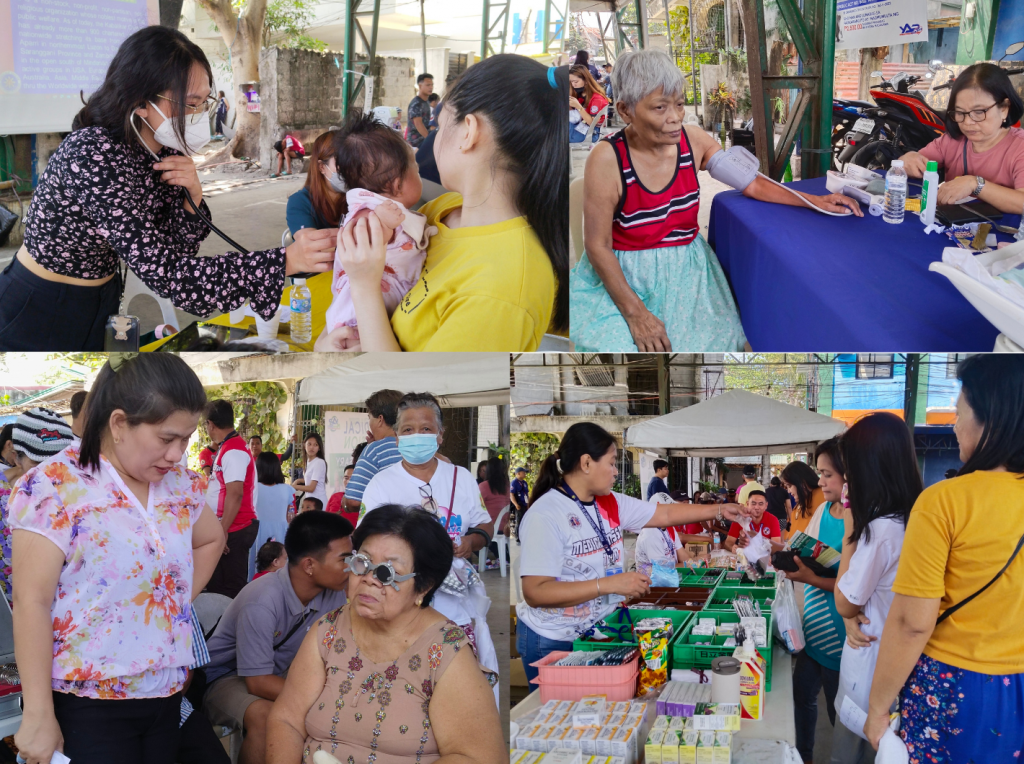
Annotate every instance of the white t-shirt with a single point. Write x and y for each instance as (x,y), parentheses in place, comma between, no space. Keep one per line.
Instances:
(558,543)
(655,545)
(868,583)
(234,466)
(316,470)
(394,485)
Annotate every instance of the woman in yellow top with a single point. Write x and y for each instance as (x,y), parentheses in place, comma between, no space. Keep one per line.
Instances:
(802,483)
(496,273)
(952,647)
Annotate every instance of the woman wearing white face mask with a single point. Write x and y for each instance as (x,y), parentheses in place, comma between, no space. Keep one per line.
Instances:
(451,494)
(319,203)
(117,188)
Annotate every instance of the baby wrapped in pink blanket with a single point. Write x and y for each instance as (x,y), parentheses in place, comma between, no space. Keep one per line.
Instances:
(406,252)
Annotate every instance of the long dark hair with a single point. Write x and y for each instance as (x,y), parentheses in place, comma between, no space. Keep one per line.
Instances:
(805,480)
(149,62)
(532,135)
(590,86)
(148,388)
(994,81)
(328,203)
(582,438)
(497,475)
(882,476)
(993,386)
(319,454)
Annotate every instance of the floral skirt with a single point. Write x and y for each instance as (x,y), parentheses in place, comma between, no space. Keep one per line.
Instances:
(954,716)
(683,286)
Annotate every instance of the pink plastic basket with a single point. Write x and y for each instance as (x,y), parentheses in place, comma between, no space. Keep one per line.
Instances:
(582,676)
(612,692)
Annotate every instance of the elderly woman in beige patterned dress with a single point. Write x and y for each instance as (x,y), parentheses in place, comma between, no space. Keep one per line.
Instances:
(386,679)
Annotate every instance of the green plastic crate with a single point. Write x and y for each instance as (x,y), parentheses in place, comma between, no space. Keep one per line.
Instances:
(703,577)
(768,581)
(680,620)
(686,655)
(721,598)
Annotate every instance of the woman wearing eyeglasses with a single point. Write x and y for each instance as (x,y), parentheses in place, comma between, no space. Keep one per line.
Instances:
(387,677)
(982,154)
(451,495)
(117,190)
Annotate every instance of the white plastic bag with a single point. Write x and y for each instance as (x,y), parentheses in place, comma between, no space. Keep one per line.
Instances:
(788,619)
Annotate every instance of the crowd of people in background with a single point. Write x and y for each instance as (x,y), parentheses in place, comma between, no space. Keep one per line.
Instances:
(896,631)
(230,593)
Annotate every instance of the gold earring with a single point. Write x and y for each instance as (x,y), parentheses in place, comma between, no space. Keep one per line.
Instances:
(419,602)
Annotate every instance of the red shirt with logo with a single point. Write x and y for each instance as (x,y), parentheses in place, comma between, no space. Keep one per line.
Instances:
(768,527)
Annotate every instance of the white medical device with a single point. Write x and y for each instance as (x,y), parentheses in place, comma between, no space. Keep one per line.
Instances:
(737,167)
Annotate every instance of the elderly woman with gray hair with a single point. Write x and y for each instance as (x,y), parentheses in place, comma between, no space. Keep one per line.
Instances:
(451,494)
(648,281)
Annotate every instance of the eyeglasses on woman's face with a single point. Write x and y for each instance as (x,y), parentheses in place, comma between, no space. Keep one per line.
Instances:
(359,564)
(203,107)
(976,115)
(427,499)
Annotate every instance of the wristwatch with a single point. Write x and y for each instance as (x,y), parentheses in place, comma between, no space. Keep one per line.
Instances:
(979,187)
(720,517)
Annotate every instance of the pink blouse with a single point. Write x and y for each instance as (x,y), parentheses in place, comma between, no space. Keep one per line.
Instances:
(121,618)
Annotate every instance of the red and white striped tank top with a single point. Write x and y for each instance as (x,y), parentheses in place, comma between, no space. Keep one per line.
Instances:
(648,220)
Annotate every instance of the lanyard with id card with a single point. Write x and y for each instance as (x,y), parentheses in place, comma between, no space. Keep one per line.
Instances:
(611,567)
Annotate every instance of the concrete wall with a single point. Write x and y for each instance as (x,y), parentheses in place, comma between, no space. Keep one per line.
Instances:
(300,91)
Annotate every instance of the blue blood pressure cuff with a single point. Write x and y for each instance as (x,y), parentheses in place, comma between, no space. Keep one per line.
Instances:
(736,167)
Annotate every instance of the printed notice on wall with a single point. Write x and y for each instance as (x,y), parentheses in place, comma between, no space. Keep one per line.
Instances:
(875,23)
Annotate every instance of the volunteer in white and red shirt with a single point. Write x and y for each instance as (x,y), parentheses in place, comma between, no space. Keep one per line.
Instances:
(659,546)
(571,562)
(448,491)
(762,522)
(232,492)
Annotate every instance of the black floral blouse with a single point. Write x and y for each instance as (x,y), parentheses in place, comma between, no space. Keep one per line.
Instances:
(99,200)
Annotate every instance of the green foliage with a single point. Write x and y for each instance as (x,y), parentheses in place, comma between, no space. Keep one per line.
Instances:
(68,366)
(734,58)
(679,30)
(630,488)
(529,450)
(779,30)
(778,375)
(285,24)
(256,405)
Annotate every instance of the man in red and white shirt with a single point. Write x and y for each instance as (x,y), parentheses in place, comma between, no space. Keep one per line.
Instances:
(232,493)
(761,522)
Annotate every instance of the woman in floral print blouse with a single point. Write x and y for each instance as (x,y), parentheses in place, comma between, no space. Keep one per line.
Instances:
(112,540)
(387,679)
(115,191)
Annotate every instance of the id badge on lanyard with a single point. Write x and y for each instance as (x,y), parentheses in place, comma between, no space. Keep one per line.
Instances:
(611,567)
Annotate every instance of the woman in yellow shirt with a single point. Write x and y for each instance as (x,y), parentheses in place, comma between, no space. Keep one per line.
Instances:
(802,483)
(960,675)
(496,273)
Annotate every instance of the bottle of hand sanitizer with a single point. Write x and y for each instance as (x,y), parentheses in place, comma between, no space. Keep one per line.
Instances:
(929,190)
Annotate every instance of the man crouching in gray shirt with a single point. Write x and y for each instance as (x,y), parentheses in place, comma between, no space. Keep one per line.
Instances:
(263,627)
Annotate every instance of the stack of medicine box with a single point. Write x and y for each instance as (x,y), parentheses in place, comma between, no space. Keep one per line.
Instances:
(602,732)
(703,738)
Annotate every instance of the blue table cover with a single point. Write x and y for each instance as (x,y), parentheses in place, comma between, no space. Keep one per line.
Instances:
(806,282)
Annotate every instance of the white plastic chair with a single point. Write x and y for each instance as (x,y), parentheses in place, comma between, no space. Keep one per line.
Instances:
(133,287)
(501,540)
(578,151)
(517,579)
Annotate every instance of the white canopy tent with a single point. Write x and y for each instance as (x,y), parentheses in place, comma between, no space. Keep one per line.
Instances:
(457,379)
(737,423)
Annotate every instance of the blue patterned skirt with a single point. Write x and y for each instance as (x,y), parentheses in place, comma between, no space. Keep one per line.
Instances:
(683,286)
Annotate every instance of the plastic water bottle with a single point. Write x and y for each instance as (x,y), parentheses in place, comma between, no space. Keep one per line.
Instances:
(301,313)
(929,190)
(895,193)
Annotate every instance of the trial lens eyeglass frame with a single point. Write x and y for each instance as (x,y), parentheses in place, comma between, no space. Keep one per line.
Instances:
(360,565)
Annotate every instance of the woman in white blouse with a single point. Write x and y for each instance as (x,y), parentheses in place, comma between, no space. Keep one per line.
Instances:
(314,474)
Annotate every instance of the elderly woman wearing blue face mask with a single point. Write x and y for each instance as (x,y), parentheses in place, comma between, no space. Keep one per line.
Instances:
(122,186)
(452,495)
